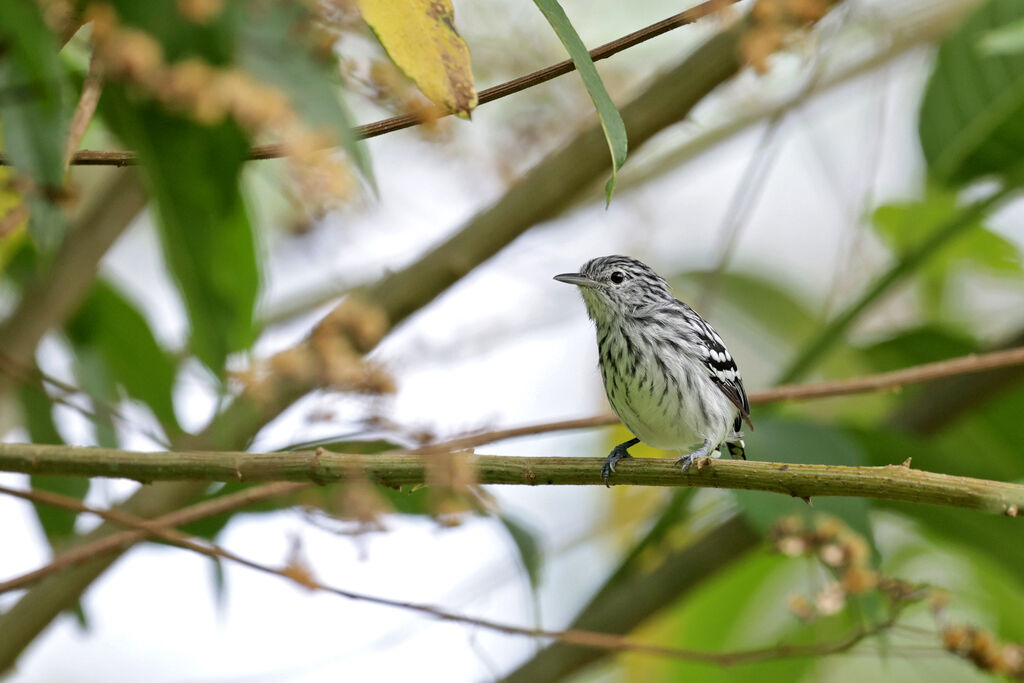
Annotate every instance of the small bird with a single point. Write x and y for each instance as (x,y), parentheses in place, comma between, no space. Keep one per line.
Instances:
(666,371)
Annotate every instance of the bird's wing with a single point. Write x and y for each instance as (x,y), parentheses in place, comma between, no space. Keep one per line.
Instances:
(723,371)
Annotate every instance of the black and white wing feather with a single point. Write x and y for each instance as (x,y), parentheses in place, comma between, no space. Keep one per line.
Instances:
(722,368)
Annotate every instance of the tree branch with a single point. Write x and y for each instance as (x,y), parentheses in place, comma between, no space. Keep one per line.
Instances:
(394,123)
(892,482)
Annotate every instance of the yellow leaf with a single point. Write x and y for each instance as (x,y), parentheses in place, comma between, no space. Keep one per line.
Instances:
(13,213)
(420,38)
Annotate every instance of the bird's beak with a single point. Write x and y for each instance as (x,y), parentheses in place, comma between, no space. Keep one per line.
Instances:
(578,280)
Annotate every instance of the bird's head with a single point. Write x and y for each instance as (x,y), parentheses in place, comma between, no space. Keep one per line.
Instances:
(616,286)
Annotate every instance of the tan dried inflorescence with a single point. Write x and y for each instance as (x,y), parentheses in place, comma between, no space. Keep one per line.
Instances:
(983,649)
(200,11)
(211,94)
(775,21)
(837,547)
(451,478)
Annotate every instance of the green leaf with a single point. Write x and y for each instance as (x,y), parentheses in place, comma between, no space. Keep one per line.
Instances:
(779,440)
(34,109)
(905,226)
(208,242)
(526,544)
(740,608)
(109,325)
(973,106)
(611,121)
(1004,40)
(272,47)
(57,523)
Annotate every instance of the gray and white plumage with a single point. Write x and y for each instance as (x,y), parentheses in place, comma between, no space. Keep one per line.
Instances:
(667,373)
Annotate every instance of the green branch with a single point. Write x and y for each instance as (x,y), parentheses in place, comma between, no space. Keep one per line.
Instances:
(892,482)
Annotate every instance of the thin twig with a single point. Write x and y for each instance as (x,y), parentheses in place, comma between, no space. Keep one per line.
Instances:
(124,539)
(885,381)
(574,637)
(389,125)
(91,89)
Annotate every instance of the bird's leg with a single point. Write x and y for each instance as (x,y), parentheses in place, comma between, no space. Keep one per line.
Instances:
(618,453)
(701,452)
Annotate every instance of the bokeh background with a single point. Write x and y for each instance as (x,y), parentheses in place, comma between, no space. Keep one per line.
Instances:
(778,201)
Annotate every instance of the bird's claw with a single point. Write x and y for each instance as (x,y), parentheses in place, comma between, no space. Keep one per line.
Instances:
(689,458)
(609,463)
(686,460)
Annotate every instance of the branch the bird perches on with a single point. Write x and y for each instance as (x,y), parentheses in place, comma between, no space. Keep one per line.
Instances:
(892,482)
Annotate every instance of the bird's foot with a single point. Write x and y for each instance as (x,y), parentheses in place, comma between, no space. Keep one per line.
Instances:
(689,458)
(618,453)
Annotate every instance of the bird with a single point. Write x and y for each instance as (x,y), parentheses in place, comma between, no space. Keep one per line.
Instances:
(667,373)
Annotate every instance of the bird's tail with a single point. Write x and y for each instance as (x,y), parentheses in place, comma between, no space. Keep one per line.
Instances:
(737,449)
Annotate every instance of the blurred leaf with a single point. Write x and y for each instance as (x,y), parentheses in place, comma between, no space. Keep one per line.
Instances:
(765,301)
(970,122)
(611,121)
(740,608)
(526,544)
(57,523)
(272,46)
(1004,40)
(13,214)
(108,324)
(94,379)
(779,440)
(220,586)
(420,38)
(35,109)
(925,344)
(208,242)
(905,226)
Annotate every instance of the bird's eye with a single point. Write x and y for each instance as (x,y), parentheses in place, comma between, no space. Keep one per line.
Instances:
(618,277)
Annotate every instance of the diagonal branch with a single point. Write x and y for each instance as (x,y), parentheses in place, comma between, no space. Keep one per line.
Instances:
(892,482)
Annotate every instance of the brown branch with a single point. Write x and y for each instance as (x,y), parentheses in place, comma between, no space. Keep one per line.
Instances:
(885,381)
(303,577)
(389,125)
(90,97)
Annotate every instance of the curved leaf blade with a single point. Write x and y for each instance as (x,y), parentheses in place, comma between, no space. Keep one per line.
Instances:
(611,121)
(209,246)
